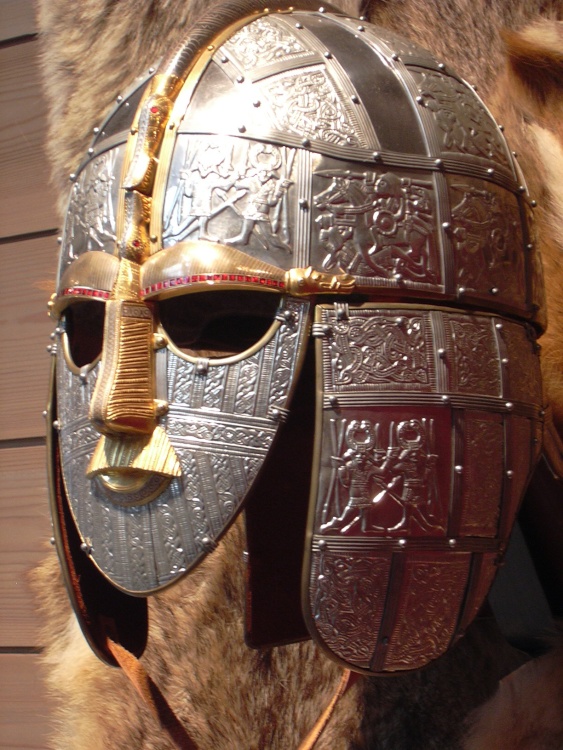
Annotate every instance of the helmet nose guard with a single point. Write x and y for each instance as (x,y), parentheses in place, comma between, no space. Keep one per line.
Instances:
(290,172)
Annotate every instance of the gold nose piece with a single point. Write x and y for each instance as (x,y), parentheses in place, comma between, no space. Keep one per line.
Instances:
(123,399)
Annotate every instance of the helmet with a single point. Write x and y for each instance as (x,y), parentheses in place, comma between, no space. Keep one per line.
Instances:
(293,176)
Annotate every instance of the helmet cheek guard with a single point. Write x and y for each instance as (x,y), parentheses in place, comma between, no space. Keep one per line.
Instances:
(286,177)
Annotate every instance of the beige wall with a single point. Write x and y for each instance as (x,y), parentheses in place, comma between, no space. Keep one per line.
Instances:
(28,231)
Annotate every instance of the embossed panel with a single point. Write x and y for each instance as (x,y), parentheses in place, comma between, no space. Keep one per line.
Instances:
(488,244)
(308,103)
(348,592)
(473,354)
(484,569)
(463,121)
(386,472)
(265,42)
(519,465)
(376,223)
(431,590)
(482,479)
(380,350)
(91,217)
(523,365)
(235,192)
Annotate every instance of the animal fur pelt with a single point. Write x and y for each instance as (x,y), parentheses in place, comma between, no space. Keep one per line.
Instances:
(226,694)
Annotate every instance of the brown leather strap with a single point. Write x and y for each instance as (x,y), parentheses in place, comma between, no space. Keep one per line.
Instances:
(347,680)
(152,696)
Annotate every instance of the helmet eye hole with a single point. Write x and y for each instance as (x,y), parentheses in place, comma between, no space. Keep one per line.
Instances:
(84,331)
(217,324)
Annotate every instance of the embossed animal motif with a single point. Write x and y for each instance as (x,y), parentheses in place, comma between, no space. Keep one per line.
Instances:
(217,687)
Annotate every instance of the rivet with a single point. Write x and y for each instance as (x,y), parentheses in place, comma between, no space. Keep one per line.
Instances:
(400,321)
(171,125)
(461,290)
(323,544)
(59,240)
(355,99)
(242,129)
(224,59)
(90,151)
(322,9)
(498,326)
(256,103)
(202,366)
(133,131)
(95,130)
(504,360)
(119,98)
(529,246)
(328,55)
(153,238)
(72,177)
(52,540)
(56,425)
(245,556)
(402,542)
(210,47)
(438,162)
(83,375)
(376,156)
(542,413)
(361,28)
(86,548)
(533,203)
(49,348)
(44,413)
(514,154)
(490,171)
(419,99)
(298,25)
(442,353)
(162,408)
(305,142)
(452,542)
(446,225)
(458,469)
(398,277)
(509,473)
(151,71)
(501,128)
(395,57)
(208,543)
(333,401)
(445,399)
(509,406)
(441,66)
(521,188)
(303,204)
(494,290)
(240,79)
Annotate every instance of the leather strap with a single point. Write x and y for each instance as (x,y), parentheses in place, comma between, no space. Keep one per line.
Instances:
(348,679)
(158,705)
(151,696)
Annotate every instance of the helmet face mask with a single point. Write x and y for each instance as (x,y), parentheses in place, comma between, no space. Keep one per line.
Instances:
(263,195)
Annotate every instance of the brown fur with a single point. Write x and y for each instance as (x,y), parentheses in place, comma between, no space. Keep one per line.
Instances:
(226,694)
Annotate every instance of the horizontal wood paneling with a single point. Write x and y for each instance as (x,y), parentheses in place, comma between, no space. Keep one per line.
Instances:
(28,267)
(25,529)
(26,203)
(17,18)
(24,708)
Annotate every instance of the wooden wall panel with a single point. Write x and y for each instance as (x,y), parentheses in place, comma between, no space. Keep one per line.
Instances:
(28,270)
(26,205)
(25,529)
(24,708)
(26,208)
(17,19)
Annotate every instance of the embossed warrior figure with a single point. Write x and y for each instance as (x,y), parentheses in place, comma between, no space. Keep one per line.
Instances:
(265,190)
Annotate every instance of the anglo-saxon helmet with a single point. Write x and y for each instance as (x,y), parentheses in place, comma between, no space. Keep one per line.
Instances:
(296,185)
